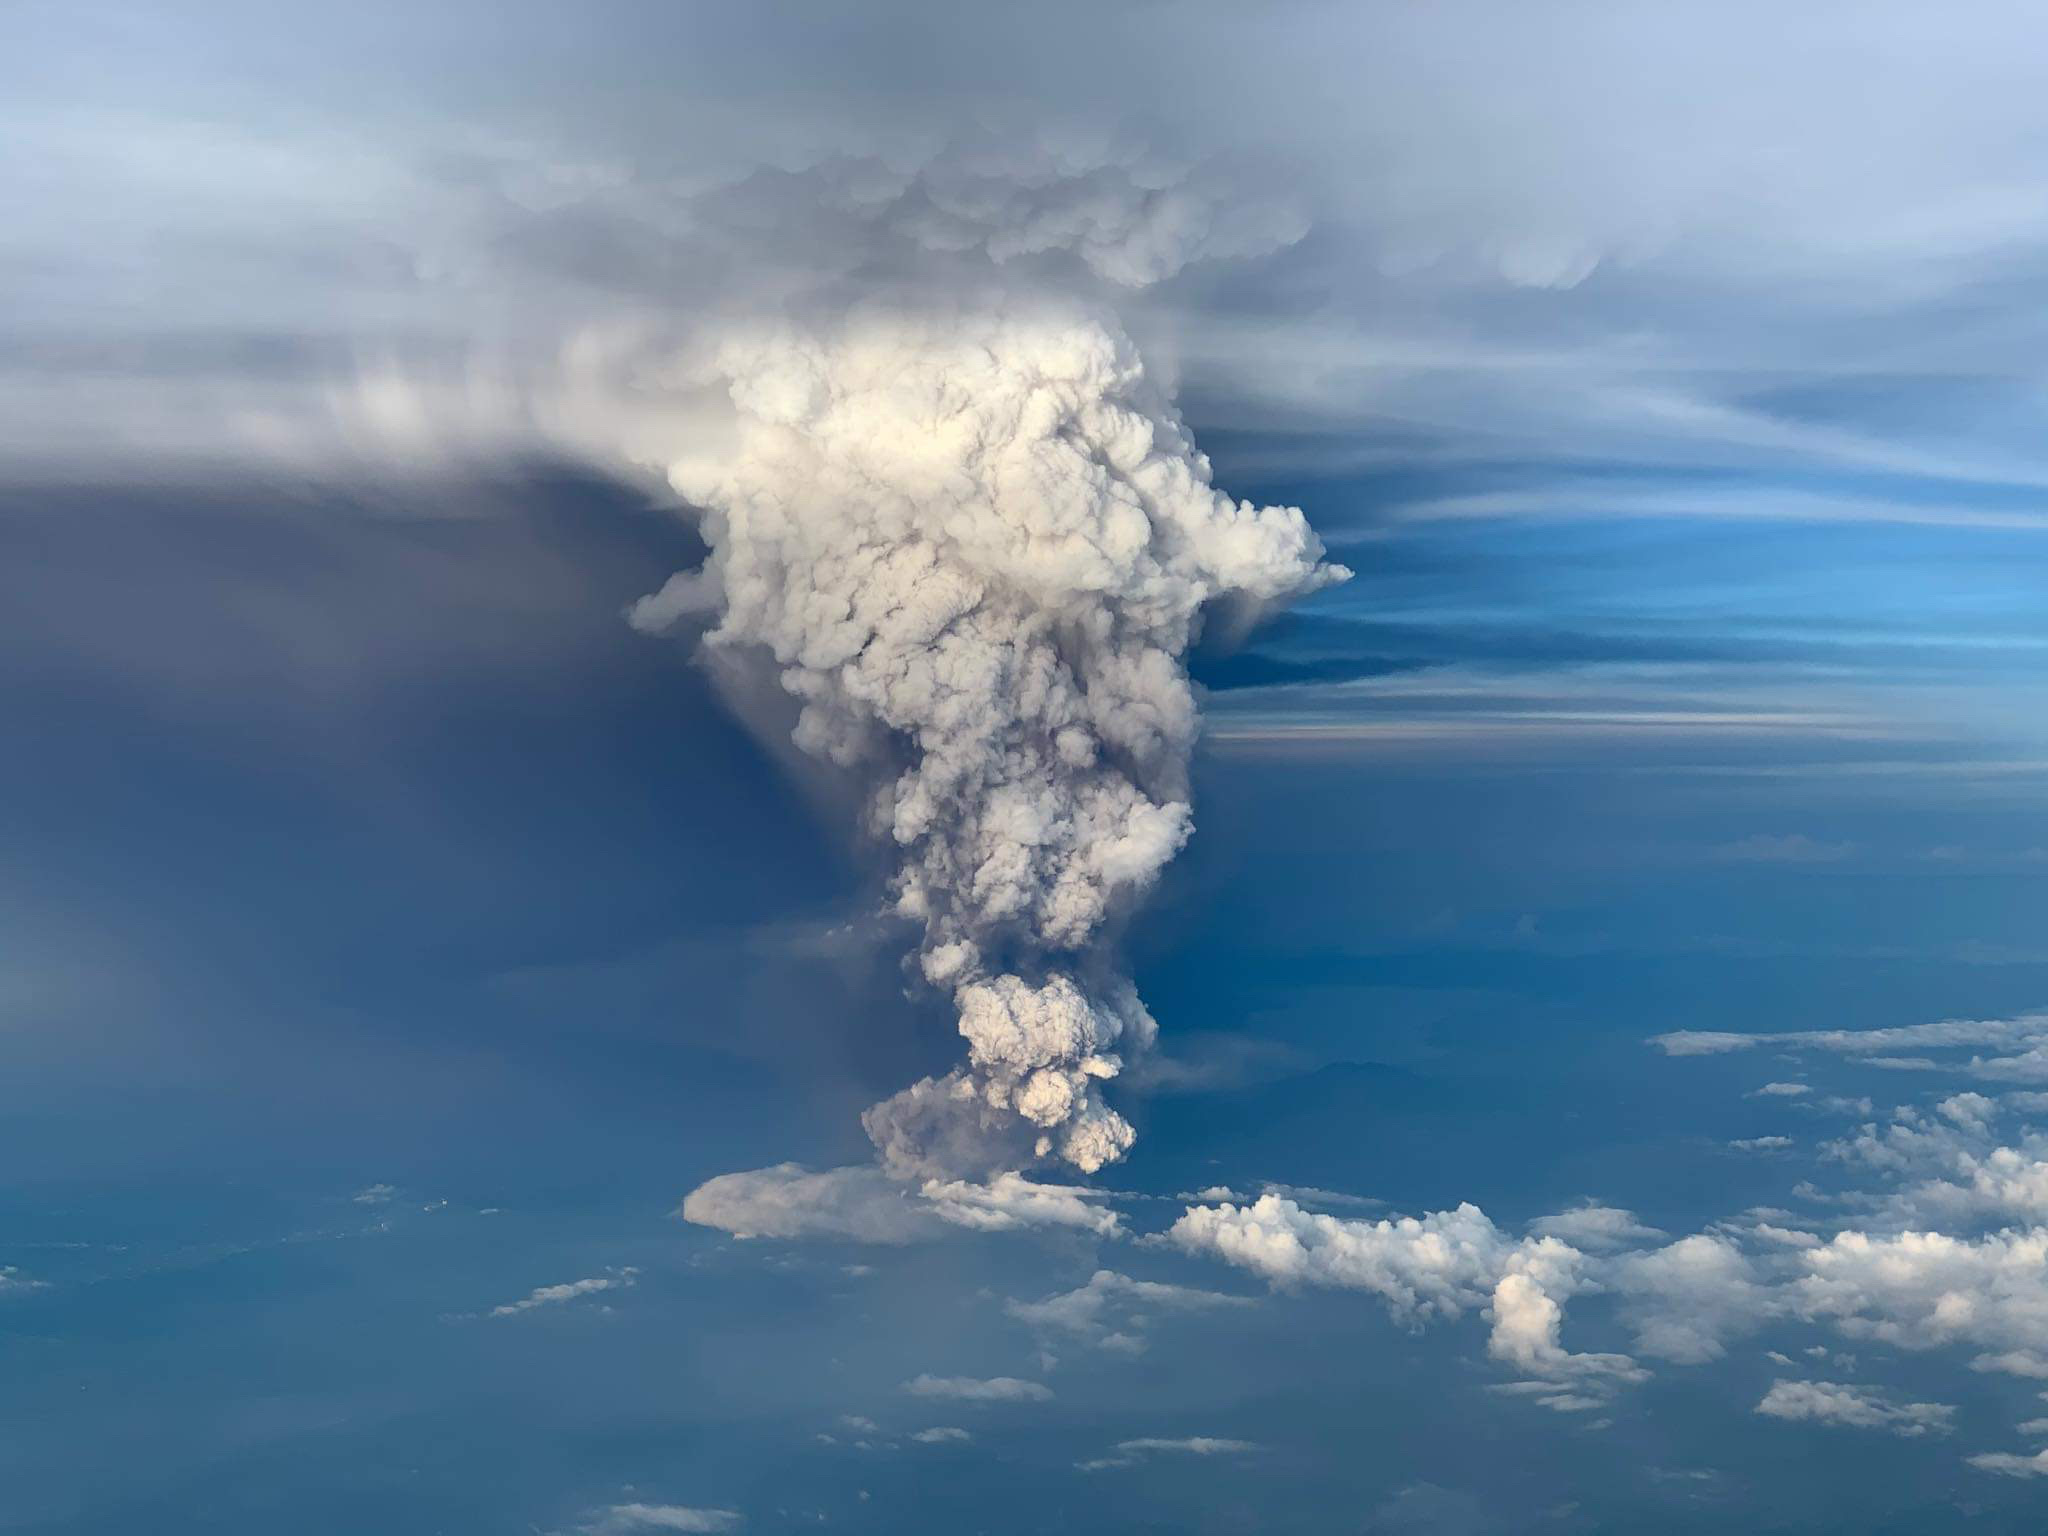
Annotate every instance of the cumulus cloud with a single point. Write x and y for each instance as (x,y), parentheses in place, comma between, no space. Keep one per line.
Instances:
(1528,1318)
(971,1389)
(1437,1266)
(1954,1164)
(1829,1402)
(2001,1184)
(943,1434)
(559,1295)
(1897,1277)
(1919,1290)
(1112,1311)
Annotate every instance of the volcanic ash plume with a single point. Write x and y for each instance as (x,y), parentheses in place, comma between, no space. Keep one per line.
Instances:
(977,547)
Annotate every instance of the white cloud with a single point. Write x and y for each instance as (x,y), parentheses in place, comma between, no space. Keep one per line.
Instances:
(1905,1282)
(2022,1041)
(1761,1143)
(1911,1141)
(1961,1175)
(1528,1318)
(863,1204)
(970,1389)
(1009,1201)
(1780,1091)
(12,1279)
(1440,1265)
(1311,1196)
(1129,1452)
(943,1434)
(2011,1465)
(1436,1266)
(2003,1184)
(1112,1311)
(1686,1300)
(1786,1237)
(1919,1290)
(1828,1402)
(558,1295)
(2014,1362)
(1595,1226)
(789,1200)
(1971,1111)
(621,1519)
(375,1194)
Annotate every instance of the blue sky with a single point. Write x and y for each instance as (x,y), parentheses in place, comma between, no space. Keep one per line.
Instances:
(399,936)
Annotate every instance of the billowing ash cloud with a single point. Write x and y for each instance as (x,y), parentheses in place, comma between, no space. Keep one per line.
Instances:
(944,495)
(945,498)
(976,541)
